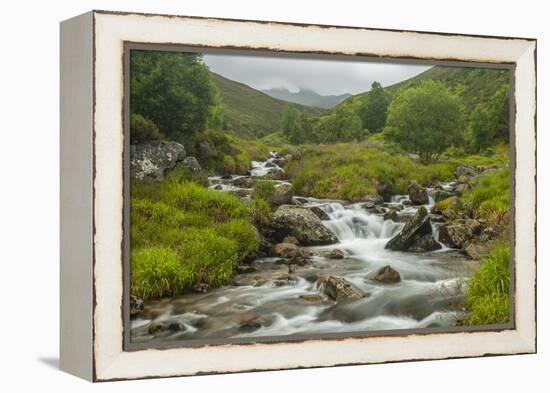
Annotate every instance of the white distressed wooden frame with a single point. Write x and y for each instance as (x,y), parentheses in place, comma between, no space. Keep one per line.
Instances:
(92,90)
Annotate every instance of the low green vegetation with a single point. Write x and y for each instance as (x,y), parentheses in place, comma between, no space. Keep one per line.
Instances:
(490,198)
(183,234)
(351,171)
(488,293)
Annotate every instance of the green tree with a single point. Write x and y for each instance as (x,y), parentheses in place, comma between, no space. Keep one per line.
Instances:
(489,122)
(425,119)
(172,89)
(374,109)
(290,125)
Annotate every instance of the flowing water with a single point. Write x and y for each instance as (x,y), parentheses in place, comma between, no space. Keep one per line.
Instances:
(271,301)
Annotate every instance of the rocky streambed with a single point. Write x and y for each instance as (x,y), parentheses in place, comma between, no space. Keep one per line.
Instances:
(329,266)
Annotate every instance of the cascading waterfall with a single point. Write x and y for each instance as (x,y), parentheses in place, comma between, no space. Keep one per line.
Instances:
(279,303)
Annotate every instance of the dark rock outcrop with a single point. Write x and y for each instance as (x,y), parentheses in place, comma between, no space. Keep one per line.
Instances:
(414,229)
(456,233)
(384,190)
(425,243)
(440,195)
(243,182)
(153,160)
(418,195)
(386,274)
(319,212)
(338,288)
(300,223)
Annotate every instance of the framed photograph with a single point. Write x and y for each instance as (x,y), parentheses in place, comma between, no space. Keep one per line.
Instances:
(249,195)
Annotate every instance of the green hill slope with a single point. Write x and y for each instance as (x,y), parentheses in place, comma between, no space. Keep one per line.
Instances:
(472,85)
(249,112)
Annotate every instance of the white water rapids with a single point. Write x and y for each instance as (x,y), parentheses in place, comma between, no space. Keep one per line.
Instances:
(280,303)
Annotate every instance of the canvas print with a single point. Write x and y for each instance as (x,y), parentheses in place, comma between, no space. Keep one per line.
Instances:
(274,196)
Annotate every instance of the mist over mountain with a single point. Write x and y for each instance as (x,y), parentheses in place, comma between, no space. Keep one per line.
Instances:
(307,97)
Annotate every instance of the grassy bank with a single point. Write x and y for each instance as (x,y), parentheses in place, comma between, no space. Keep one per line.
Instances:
(488,293)
(352,170)
(183,234)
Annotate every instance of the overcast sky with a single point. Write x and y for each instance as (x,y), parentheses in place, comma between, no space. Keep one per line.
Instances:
(325,77)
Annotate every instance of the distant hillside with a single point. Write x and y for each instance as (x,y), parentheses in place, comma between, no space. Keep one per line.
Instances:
(249,112)
(307,97)
(473,85)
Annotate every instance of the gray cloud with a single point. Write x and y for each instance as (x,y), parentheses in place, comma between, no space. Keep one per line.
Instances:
(324,76)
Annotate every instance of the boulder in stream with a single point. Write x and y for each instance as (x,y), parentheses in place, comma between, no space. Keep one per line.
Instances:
(319,212)
(243,182)
(414,229)
(425,243)
(418,194)
(386,274)
(334,254)
(338,288)
(300,223)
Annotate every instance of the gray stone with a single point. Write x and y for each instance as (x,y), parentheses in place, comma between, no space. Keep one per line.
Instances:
(153,160)
(425,243)
(418,195)
(414,229)
(338,288)
(465,170)
(386,275)
(300,223)
(319,212)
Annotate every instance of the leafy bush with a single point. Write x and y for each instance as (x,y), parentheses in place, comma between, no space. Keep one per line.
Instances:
(142,129)
(488,293)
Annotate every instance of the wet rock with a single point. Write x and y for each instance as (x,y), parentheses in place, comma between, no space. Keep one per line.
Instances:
(334,254)
(299,200)
(153,160)
(291,240)
(300,223)
(274,174)
(440,195)
(384,190)
(319,212)
(371,200)
(406,202)
(418,195)
(286,250)
(437,217)
(455,234)
(136,306)
(201,287)
(281,161)
(313,298)
(156,327)
(414,229)
(465,170)
(226,177)
(218,187)
(338,288)
(392,214)
(176,327)
(243,182)
(425,243)
(248,322)
(242,269)
(300,260)
(386,275)
(283,195)
(270,164)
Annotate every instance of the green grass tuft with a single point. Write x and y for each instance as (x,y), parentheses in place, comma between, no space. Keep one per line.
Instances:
(488,293)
